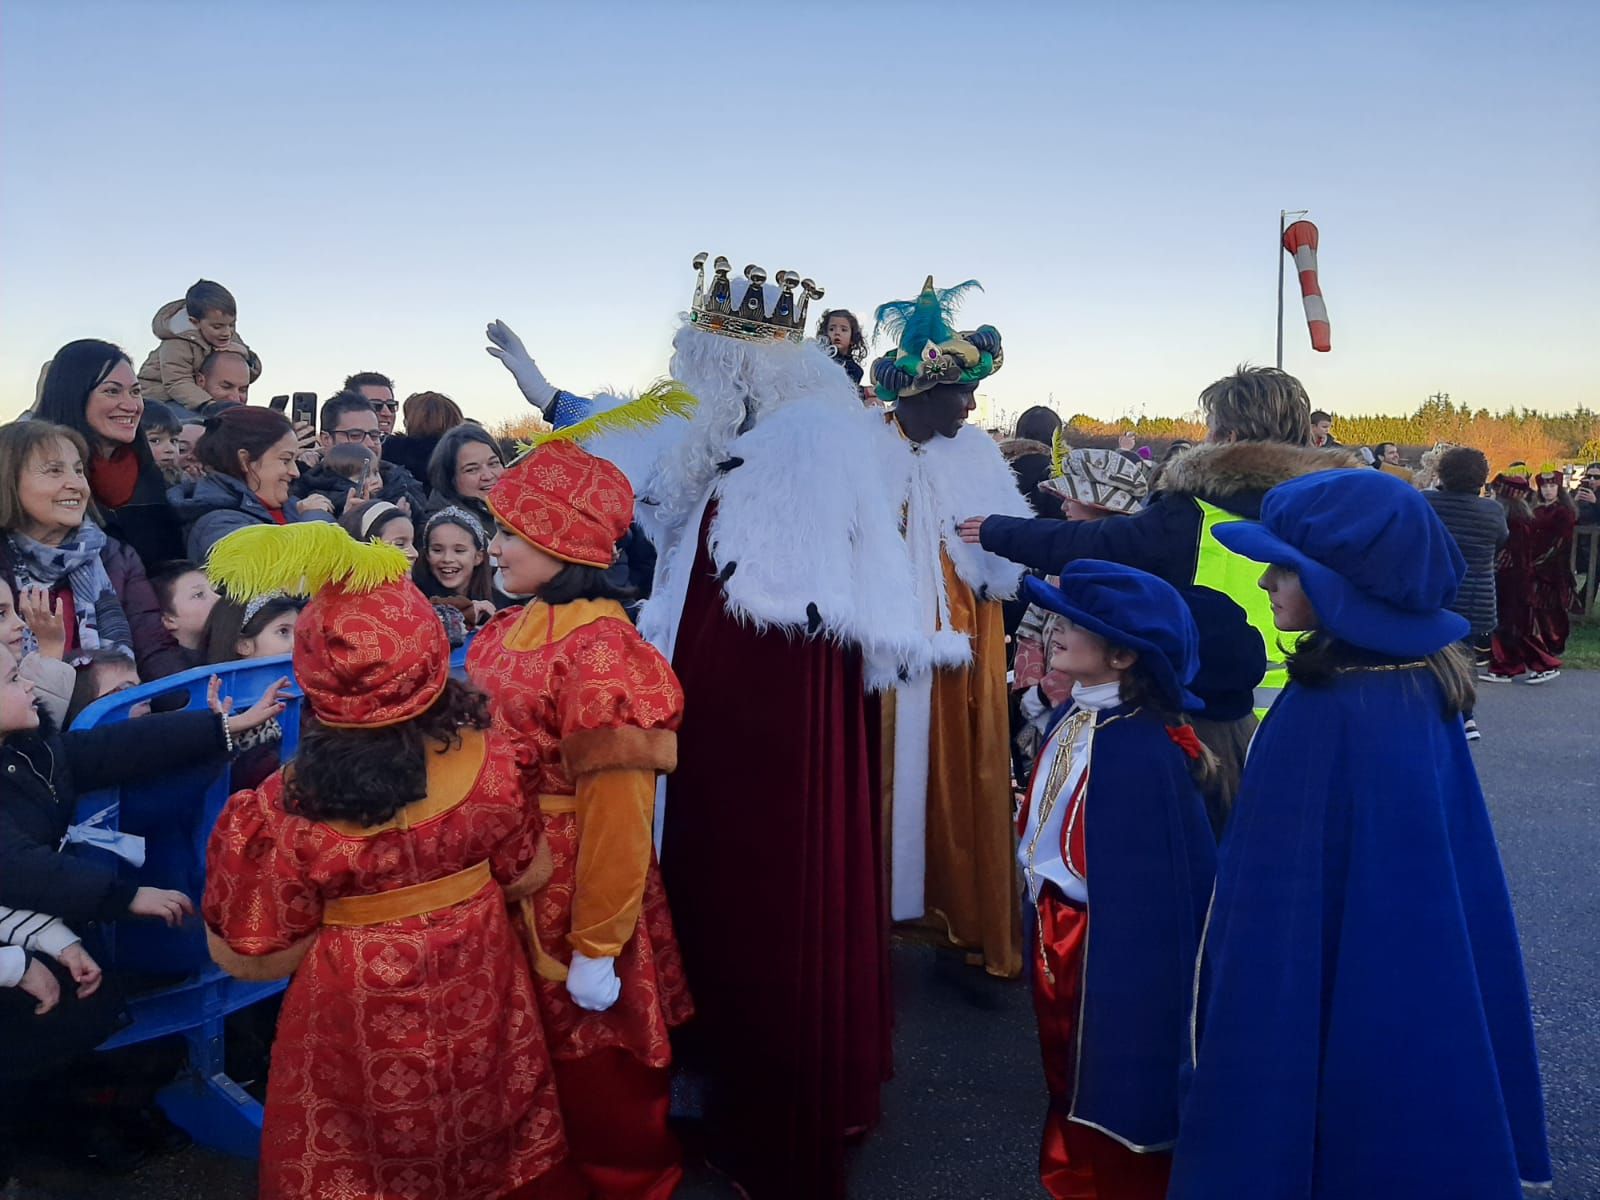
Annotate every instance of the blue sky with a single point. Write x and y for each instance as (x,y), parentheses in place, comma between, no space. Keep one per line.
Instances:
(377,181)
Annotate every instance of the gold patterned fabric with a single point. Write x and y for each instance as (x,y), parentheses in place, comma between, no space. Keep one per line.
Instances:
(410,1061)
(971,885)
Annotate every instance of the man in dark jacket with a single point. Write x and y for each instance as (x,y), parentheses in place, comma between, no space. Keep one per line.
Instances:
(1478,525)
(350,419)
(1259,436)
(1588,496)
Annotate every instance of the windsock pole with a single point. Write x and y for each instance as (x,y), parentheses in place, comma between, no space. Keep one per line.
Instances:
(1283,224)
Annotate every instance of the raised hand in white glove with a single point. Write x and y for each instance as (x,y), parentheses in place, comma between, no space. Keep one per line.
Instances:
(592,982)
(508,348)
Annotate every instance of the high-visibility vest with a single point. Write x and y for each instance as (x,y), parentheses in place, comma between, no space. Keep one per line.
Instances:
(1238,578)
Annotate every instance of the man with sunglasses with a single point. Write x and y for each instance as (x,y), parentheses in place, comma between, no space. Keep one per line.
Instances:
(379,389)
(1588,495)
(350,418)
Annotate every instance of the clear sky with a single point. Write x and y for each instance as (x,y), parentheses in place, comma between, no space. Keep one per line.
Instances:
(377,181)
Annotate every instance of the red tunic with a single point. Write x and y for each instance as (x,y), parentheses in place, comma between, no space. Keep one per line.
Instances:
(553,676)
(410,1063)
(773,857)
(1553,582)
(1518,645)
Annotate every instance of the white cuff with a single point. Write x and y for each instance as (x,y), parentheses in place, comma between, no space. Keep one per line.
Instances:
(13,964)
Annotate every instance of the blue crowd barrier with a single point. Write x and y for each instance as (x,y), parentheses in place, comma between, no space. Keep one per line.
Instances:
(176,989)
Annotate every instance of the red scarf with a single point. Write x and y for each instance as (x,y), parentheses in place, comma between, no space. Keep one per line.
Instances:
(276,514)
(113,480)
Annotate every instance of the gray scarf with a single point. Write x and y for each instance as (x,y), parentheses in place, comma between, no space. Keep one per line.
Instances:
(100,619)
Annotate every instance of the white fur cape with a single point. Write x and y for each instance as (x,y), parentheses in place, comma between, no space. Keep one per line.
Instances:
(938,484)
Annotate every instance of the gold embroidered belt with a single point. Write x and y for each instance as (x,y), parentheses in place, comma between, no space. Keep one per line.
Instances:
(413,901)
(549,802)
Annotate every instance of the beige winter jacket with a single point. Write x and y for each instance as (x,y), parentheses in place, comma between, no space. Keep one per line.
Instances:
(168,374)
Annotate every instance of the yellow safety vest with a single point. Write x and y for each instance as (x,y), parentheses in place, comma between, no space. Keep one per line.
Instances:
(1237,577)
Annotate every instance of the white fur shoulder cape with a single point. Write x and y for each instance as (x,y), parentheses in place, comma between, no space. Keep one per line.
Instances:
(806,538)
(938,484)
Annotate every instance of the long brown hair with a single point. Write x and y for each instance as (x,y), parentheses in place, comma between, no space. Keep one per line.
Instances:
(1139,687)
(1317,659)
(20,441)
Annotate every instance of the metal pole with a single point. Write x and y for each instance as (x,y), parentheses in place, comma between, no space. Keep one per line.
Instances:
(1283,215)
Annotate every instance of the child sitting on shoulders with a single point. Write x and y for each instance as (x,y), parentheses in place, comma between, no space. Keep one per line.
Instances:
(189,330)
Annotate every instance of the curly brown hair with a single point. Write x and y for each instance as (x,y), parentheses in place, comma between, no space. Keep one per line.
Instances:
(368,775)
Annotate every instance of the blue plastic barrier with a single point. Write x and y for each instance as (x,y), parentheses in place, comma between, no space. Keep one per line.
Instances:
(179,990)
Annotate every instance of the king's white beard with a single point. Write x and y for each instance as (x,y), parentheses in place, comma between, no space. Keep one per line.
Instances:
(737,383)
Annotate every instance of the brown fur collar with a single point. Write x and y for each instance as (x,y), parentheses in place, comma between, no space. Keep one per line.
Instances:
(1014,448)
(1231,468)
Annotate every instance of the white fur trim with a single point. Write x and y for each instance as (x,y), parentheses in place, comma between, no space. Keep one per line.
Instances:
(951,648)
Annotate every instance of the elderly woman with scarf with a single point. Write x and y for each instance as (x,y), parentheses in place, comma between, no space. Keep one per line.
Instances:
(97,591)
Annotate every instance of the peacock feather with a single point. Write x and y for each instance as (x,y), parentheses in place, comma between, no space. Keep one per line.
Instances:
(912,324)
(662,399)
(300,560)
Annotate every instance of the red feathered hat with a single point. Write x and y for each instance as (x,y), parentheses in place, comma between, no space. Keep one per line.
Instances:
(369,651)
(567,502)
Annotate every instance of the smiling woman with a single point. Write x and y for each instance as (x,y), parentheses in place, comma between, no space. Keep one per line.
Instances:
(91,389)
(86,590)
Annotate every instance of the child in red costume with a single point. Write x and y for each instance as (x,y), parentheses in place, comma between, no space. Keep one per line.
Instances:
(594,709)
(410,1060)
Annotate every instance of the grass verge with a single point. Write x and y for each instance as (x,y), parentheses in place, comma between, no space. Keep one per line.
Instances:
(1583,646)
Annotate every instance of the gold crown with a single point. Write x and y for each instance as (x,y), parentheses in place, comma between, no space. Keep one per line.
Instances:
(713,309)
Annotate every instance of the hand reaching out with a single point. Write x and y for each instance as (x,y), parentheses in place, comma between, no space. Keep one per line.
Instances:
(162,904)
(84,970)
(513,355)
(317,502)
(39,983)
(971,529)
(258,714)
(47,620)
(1126,441)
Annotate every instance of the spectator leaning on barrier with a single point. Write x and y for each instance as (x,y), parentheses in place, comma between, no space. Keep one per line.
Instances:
(90,388)
(96,588)
(249,459)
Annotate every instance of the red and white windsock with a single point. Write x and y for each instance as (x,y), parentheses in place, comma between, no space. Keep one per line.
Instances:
(1300,240)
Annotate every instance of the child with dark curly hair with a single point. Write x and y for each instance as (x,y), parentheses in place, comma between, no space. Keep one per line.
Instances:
(839,331)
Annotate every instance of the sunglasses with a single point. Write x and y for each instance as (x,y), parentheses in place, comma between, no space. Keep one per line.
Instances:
(390,405)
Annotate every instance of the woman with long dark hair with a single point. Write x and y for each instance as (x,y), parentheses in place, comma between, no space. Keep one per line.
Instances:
(90,388)
(375,870)
(1361,1005)
(463,469)
(250,458)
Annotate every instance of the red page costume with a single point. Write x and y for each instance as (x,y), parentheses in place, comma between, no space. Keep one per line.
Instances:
(594,711)
(410,1060)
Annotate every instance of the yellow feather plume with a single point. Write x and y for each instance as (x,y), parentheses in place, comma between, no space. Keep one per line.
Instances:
(1058,454)
(300,560)
(662,399)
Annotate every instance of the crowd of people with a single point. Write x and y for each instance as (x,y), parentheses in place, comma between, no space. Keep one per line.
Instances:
(762,663)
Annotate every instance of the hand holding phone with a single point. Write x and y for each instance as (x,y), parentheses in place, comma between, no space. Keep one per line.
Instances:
(305,409)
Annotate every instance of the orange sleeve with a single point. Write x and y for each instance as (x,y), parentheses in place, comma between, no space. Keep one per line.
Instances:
(615,816)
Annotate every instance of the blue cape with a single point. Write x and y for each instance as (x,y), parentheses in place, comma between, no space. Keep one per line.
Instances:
(1151,862)
(1364,1028)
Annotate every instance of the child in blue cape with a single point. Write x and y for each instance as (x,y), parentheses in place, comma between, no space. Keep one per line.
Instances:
(1362,1027)
(1113,790)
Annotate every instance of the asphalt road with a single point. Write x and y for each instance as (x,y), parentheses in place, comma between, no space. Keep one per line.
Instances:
(963,1113)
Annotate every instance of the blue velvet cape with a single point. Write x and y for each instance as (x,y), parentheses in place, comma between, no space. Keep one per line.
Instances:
(1151,863)
(1363,1029)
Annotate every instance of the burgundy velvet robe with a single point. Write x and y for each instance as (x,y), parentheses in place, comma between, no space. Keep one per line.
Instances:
(772,858)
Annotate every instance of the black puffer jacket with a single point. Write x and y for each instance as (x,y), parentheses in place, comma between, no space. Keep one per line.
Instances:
(1478,525)
(41,774)
(397,485)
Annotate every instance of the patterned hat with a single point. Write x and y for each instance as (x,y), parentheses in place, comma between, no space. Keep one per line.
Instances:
(368,650)
(565,501)
(1104,478)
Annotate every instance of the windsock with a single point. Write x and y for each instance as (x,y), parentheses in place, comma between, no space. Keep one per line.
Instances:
(1300,240)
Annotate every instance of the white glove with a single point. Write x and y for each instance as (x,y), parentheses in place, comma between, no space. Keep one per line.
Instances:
(592,982)
(508,348)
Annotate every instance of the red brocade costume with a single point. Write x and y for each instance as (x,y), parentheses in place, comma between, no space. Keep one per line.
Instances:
(1518,646)
(409,1060)
(594,710)
(1553,582)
